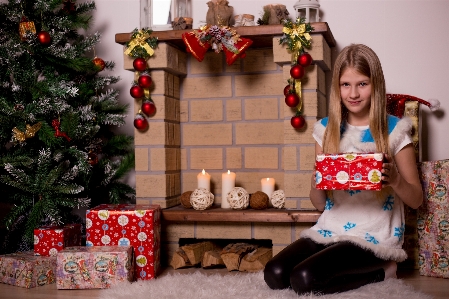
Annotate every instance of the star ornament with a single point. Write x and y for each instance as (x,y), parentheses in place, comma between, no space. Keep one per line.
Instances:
(30,131)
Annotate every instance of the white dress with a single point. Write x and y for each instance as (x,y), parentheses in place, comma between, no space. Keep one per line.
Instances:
(370,219)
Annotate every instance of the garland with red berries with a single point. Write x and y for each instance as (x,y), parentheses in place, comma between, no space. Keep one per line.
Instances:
(141,47)
(297,37)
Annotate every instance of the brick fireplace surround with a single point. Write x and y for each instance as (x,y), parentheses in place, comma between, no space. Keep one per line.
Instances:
(217,117)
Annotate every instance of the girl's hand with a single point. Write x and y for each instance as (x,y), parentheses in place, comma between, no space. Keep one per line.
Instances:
(313,182)
(390,174)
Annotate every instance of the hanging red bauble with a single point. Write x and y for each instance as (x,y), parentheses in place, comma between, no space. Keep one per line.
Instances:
(136,92)
(287,90)
(140,122)
(305,59)
(140,64)
(44,38)
(297,71)
(148,107)
(292,100)
(92,158)
(99,63)
(297,121)
(144,81)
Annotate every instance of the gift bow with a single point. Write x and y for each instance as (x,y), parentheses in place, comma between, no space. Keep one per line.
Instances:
(140,40)
(299,31)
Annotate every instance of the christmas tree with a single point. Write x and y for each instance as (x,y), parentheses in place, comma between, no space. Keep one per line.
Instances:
(57,149)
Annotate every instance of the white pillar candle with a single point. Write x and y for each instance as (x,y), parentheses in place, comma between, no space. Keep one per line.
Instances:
(267,186)
(203,180)
(227,184)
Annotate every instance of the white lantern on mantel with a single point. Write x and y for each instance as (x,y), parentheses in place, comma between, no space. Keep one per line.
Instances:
(159,14)
(308,9)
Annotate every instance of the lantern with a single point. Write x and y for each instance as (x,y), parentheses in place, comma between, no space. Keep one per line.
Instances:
(308,9)
(158,15)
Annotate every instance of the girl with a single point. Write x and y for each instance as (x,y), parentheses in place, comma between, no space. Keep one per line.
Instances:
(358,238)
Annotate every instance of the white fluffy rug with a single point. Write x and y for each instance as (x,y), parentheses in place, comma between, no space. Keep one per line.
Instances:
(243,286)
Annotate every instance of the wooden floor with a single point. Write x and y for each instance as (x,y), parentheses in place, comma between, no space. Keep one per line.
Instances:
(436,287)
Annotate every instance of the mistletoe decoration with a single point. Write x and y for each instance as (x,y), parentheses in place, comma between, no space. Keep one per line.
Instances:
(297,38)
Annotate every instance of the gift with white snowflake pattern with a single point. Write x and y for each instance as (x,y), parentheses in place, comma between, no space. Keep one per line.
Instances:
(95,267)
(349,171)
(48,240)
(123,225)
(24,269)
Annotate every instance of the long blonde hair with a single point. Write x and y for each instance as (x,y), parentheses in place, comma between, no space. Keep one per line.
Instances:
(366,62)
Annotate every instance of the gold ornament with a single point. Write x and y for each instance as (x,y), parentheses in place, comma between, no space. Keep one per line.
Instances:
(140,40)
(30,131)
(26,26)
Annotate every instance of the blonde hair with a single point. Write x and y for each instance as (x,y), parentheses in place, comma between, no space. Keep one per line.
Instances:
(365,61)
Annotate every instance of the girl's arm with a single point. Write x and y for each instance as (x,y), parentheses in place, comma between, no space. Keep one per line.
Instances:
(318,197)
(401,174)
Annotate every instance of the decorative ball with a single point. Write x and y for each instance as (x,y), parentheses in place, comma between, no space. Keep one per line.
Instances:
(297,121)
(201,199)
(287,90)
(238,198)
(144,81)
(148,107)
(92,158)
(140,64)
(44,38)
(258,200)
(185,199)
(140,122)
(99,63)
(292,100)
(136,92)
(278,199)
(297,71)
(305,59)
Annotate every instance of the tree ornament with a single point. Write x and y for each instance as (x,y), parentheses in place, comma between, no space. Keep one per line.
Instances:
(140,122)
(58,133)
(92,157)
(305,59)
(287,90)
(292,100)
(297,71)
(30,131)
(25,27)
(140,64)
(136,92)
(19,107)
(297,121)
(99,63)
(69,6)
(144,81)
(44,38)
(148,107)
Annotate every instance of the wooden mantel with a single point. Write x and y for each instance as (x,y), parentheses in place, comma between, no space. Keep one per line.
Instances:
(262,36)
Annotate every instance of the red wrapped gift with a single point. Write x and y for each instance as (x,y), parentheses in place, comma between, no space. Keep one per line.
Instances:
(48,240)
(349,171)
(124,225)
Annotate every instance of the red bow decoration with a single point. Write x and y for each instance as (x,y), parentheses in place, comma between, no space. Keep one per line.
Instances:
(58,133)
(396,103)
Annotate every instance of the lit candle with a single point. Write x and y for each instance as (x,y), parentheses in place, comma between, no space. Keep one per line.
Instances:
(203,180)
(267,186)
(227,184)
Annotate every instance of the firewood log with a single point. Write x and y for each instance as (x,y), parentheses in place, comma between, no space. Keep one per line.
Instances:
(232,254)
(196,251)
(180,259)
(256,260)
(212,259)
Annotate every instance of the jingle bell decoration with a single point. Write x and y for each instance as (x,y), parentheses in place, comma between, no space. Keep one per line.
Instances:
(140,64)
(292,100)
(148,107)
(136,92)
(44,38)
(144,81)
(140,122)
(99,63)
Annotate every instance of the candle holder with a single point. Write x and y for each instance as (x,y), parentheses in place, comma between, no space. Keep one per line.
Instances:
(308,9)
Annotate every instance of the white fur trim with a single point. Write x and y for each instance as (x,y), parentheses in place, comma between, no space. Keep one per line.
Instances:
(434,104)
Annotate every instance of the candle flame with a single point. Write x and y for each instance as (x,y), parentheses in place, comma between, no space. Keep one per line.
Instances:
(203,172)
(229,172)
(268,179)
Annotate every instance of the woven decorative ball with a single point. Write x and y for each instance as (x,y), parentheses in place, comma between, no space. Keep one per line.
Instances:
(258,200)
(238,198)
(278,199)
(201,199)
(185,199)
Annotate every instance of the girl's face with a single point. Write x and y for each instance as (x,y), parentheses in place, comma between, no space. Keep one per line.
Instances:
(355,93)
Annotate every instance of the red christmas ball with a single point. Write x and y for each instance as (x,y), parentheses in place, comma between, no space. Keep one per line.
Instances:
(305,59)
(292,100)
(140,64)
(287,90)
(140,122)
(44,38)
(99,63)
(148,107)
(297,121)
(297,71)
(144,81)
(136,92)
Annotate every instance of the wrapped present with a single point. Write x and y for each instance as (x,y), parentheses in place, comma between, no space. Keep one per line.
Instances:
(24,269)
(433,219)
(96,267)
(135,225)
(349,171)
(48,240)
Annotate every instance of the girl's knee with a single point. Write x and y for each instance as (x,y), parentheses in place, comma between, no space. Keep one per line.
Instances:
(275,276)
(301,280)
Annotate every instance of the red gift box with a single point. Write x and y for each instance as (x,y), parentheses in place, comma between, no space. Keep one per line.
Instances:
(48,240)
(135,225)
(349,171)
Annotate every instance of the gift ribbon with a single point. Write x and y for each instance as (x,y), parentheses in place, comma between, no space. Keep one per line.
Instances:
(140,40)
(299,31)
